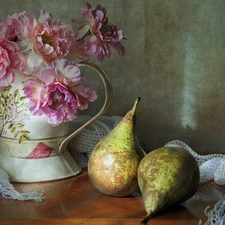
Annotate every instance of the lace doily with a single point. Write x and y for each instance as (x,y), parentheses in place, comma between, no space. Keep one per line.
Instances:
(217,215)
(7,190)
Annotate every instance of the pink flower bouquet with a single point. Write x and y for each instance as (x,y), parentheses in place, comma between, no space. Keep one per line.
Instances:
(47,52)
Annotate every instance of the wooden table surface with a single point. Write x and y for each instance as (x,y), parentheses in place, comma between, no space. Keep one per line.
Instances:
(75,201)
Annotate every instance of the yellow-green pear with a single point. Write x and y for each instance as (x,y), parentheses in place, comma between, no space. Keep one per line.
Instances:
(112,166)
(167,176)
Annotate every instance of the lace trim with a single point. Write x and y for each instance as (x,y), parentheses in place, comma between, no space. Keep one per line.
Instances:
(217,215)
(7,190)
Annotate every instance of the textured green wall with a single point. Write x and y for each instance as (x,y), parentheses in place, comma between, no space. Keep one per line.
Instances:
(175,61)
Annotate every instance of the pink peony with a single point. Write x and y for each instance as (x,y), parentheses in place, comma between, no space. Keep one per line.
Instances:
(10,59)
(78,52)
(99,34)
(57,94)
(8,26)
(43,40)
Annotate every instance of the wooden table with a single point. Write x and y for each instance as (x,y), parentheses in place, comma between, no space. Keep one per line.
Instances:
(75,201)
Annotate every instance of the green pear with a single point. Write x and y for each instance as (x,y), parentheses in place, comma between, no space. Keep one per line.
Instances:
(112,165)
(167,176)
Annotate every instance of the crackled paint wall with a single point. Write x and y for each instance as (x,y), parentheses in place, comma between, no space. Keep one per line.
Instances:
(175,54)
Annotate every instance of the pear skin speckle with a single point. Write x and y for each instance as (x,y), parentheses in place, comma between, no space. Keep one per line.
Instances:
(112,165)
(167,176)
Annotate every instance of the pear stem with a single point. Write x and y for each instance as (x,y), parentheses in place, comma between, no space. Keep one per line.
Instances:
(133,110)
(149,215)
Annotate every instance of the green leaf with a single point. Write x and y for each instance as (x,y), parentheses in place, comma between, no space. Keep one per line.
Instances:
(21,139)
(16,135)
(17,95)
(24,132)
(27,137)
(12,129)
(3,115)
(19,104)
(10,126)
(22,98)
(2,104)
(20,125)
(6,90)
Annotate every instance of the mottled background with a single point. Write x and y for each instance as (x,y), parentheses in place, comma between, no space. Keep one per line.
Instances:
(175,54)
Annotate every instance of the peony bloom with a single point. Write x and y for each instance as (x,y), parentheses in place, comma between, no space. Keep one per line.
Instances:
(57,94)
(10,58)
(43,40)
(99,35)
(8,26)
(78,52)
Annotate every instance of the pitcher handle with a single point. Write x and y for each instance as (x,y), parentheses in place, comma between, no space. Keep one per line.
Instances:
(108,97)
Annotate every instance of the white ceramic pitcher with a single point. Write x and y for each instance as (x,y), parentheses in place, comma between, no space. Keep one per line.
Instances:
(44,156)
